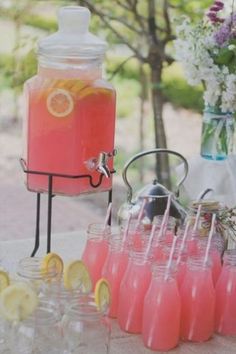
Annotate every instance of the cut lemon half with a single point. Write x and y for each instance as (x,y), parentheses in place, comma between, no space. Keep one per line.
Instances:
(102,294)
(17,302)
(76,276)
(60,103)
(52,265)
(4,280)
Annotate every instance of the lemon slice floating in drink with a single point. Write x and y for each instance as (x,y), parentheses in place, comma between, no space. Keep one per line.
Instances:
(4,280)
(92,90)
(60,103)
(102,294)
(76,276)
(17,302)
(52,265)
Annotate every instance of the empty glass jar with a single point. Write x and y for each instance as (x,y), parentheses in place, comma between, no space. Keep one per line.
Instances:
(38,334)
(86,330)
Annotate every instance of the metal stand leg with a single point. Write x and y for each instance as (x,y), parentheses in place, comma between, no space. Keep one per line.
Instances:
(37,229)
(49,225)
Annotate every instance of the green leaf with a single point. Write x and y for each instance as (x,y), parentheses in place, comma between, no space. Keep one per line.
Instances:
(224,57)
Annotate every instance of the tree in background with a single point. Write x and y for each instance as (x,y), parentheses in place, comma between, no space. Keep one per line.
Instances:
(145,27)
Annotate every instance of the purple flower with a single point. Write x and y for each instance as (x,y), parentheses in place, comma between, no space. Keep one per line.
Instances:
(219,4)
(215,8)
(222,35)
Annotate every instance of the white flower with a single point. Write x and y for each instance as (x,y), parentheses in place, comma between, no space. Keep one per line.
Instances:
(196,49)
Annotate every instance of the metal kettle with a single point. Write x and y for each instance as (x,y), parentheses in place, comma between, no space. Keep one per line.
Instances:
(156,194)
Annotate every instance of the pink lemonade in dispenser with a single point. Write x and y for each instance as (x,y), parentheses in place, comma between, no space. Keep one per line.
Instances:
(225,315)
(96,250)
(70,110)
(133,289)
(161,312)
(197,303)
(113,270)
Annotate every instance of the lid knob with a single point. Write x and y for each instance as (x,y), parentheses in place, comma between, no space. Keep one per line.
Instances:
(73,19)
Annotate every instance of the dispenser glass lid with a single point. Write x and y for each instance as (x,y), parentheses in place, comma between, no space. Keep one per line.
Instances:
(73,38)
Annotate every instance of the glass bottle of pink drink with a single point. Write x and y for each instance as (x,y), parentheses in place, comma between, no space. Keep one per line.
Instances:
(214,255)
(225,315)
(114,269)
(70,111)
(197,302)
(161,311)
(133,289)
(96,250)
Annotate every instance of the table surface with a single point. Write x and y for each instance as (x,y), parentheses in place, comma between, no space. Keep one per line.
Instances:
(70,246)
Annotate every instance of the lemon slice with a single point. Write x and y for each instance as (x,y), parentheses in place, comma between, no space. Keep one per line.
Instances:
(90,90)
(102,294)
(52,265)
(17,302)
(60,103)
(76,276)
(4,280)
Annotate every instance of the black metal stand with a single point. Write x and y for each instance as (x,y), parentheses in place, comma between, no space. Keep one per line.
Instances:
(50,196)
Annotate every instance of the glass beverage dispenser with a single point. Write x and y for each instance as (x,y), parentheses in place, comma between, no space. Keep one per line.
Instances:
(70,110)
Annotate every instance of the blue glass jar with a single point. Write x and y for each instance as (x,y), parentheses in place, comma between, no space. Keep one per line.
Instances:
(217,134)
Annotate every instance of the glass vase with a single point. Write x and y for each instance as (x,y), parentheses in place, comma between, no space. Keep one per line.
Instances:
(217,134)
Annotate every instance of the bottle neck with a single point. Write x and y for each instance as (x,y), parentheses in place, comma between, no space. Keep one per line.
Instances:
(197,264)
(98,232)
(230,258)
(159,271)
(70,68)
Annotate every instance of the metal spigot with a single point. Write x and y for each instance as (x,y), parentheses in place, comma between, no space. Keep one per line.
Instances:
(102,164)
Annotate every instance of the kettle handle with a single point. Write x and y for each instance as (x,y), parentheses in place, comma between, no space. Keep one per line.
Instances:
(148,152)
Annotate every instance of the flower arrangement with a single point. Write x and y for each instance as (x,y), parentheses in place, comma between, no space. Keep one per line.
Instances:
(207,50)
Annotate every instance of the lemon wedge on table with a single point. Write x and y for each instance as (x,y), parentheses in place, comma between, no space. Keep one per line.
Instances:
(51,265)
(102,294)
(76,276)
(4,280)
(17,302)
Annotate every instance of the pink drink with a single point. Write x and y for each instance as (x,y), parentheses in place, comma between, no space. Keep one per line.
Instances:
(161,312)
(67,145)
(215,257)
(70,110)
(198,303)
(96,250)
(113,270)
(225,316)
(133,288)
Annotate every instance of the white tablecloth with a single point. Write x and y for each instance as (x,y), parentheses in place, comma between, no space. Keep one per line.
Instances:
(70,246)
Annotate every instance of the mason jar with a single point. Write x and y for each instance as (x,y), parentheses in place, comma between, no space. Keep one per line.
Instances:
(30,270)
(217,134)
(38,334)
(86,329)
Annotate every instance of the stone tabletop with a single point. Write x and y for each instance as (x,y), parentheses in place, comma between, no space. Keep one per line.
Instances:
(70,246)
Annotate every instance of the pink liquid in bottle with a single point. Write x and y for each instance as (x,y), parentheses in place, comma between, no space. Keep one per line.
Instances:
(133,288)
(113,270)
(161,312)
(197,303)
(225,315)
(96,249)
(215,257)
